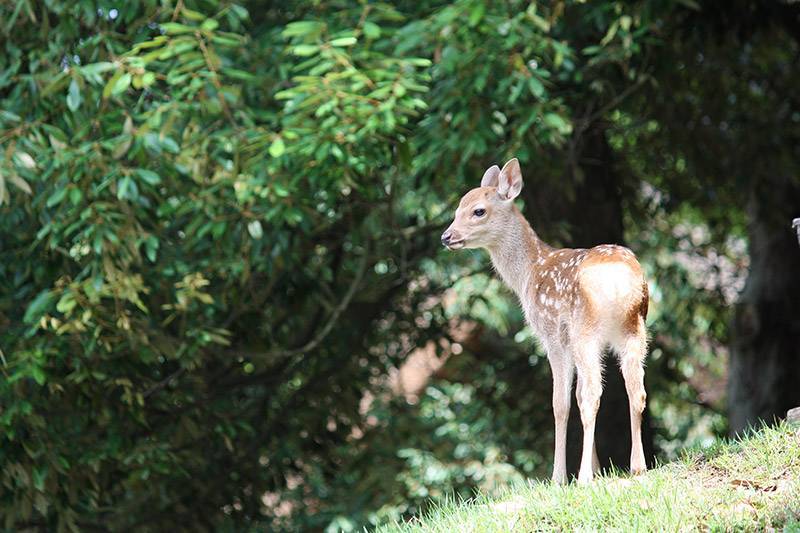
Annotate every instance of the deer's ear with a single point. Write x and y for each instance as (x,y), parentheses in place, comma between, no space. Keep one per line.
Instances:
(510,180)
(489,178)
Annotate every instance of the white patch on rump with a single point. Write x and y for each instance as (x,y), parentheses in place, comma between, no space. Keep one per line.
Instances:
(611,285)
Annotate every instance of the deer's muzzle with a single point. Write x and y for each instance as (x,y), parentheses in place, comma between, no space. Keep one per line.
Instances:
(452,240)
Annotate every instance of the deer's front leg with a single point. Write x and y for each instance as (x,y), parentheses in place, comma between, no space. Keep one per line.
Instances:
(563,370)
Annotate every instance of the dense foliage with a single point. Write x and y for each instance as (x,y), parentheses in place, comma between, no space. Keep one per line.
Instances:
(219,240)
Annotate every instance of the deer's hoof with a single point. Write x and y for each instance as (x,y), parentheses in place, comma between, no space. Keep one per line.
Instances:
(638,465)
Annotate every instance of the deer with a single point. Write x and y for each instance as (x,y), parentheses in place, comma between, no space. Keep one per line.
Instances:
(578,302)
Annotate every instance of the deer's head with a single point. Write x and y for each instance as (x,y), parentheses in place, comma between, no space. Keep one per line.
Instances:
(484,213)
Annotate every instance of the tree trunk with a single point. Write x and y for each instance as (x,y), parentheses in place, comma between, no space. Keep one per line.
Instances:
(594,215)
(765,345)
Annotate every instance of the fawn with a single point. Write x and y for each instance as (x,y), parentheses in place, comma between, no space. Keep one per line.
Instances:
(577,301)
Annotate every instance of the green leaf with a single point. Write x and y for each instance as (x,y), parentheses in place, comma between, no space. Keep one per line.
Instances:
(255,230)
(127,126)
(24,159)
(75,195)
(157,41)
(210,25)
(92,72)
(302,28)
(556,121)
(304,50)
(56,197)
(122,147)
(344,41)
(39,473)
(38,375)
(20,184)
(280,190)
(152,143)
(225,41)
(175,28)
(112,82)
(148,176)
(127,189)
(539,22)
(536,87)
(240,11)
(57,143)
(277,148)
(476,14)
(238,74)
(151,247)
(9,116)
(285,95)
(74,96)
(122,84)
(611,33)
(192,15)
(66,303)
(38,307)
(371,30)
(97,68)
(148,79)
(170,145)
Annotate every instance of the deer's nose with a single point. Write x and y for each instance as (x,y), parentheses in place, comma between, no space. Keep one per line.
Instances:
(446,236)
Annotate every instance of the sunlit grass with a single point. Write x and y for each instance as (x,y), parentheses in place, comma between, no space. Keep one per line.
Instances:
(748,484)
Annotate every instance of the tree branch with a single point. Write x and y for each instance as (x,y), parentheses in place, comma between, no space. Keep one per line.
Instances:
(326,329)
(164,382)
(630,89)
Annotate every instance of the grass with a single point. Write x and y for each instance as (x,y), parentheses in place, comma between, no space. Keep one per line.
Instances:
(750,484)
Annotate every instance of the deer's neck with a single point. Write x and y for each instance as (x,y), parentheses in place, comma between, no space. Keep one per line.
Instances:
(516,255)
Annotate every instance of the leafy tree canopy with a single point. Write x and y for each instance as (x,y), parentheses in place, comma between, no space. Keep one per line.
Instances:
(218,235)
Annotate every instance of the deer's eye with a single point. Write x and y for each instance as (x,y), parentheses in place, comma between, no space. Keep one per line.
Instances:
(479,212)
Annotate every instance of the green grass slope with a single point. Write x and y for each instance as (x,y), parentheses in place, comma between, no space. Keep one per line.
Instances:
(748,484)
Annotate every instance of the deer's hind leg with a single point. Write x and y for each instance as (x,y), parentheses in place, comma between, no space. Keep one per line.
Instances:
(632,350)
(595,460)
(588,363)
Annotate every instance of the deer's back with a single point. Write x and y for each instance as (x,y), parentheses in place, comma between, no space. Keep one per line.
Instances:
(602,287)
